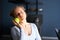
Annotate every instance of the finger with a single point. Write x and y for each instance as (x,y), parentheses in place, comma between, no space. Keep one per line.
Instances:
(14,22)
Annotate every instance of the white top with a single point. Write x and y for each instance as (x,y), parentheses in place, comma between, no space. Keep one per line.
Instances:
(19,34)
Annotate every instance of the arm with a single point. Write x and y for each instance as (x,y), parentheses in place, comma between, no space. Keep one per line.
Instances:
(38,37)
(15,34)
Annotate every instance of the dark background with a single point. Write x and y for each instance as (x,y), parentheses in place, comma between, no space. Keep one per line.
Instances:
(50,17)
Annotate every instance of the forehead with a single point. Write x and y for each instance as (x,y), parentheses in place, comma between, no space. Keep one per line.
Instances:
(18,9)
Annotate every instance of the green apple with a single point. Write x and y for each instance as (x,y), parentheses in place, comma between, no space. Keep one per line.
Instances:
(17,20)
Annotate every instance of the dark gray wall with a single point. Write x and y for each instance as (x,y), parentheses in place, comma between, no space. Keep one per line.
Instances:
(51,18)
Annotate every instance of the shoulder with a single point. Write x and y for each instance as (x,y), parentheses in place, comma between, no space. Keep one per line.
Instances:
(33,25)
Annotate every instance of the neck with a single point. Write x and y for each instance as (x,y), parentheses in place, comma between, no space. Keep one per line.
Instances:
(23,22)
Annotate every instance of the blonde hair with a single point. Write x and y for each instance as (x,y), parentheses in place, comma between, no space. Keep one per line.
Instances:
(12,13)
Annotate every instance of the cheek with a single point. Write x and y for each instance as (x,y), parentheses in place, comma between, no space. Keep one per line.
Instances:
(25,15)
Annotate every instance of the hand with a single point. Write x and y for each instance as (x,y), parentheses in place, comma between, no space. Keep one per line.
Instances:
(15,23)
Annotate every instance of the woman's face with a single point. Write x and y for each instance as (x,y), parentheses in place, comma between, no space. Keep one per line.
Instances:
(20,13)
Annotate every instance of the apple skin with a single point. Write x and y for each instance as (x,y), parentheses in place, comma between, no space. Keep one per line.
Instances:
(17,20)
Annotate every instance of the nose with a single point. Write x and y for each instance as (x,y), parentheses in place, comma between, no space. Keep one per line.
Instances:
(18,14)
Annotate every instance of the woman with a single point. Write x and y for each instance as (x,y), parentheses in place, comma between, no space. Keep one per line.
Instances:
(23,30)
